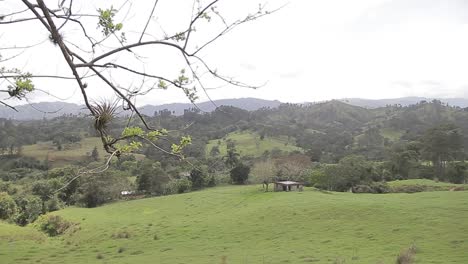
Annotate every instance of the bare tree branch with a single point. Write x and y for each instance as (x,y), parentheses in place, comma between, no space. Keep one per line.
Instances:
(147,22)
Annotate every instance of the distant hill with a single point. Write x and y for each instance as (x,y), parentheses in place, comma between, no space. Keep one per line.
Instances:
(249,104)
(54,109)
(42,110)
(404,101)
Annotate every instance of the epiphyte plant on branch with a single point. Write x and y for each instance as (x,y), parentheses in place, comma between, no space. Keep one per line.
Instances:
(97,47)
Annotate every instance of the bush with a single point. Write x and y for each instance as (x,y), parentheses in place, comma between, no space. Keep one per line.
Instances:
(29,207)
(375,187)
(8,188)
(362,188)
(178,186)
(53,225)
(211,181)
(7,206)
(240,174)
(406,256)
(456,172)
(53,204)
(97,189)
(197,177)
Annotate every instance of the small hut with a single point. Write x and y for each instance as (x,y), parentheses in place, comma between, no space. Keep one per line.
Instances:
(287,186)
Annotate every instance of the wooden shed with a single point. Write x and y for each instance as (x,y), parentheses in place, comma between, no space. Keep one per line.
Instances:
(287,186)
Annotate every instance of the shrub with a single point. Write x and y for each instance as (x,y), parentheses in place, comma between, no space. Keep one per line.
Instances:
(178,186)
(362,188)
(8,188)
(7,206)
(29,208)
(407,255)
(197,177)
(98,189)
(375,187)
(53,204)
(240,174)
(53,225)
(211,181)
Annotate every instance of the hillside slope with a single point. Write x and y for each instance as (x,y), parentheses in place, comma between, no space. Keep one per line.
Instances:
(245,225)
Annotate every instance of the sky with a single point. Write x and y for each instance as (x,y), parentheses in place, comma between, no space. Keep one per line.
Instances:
(309,50)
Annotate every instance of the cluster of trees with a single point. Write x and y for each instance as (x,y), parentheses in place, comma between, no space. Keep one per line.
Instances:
(344,149)
(437,155)
(40,191)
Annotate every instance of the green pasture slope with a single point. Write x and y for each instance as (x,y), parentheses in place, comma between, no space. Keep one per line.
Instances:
(242,224)
(70,153)
(250,144)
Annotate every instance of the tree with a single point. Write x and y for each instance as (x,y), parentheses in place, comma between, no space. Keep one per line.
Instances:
(101,53)
(457,172)
(263,172)
(403,159)
(442,144)
(293,167)
(240,173)
(349,172)
(232,156)
(197,177)
(97,189)
(29,208)
(95,154)
(7,206)
(151,177)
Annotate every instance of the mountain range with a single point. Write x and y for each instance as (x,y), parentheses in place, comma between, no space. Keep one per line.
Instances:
(42,110)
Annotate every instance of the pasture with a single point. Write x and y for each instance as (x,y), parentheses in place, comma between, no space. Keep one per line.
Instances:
(243,224)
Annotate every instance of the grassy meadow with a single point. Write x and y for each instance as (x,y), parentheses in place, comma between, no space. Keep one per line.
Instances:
(69,154)
(243,224)
(250,144)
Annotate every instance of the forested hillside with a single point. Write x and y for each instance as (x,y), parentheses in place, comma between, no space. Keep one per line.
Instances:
(331,145)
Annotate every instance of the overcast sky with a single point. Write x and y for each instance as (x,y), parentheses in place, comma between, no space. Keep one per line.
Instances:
(308,51)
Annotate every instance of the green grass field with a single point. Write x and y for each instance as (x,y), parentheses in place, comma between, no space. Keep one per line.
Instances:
(249,144)
(70,154)
(242,224)
(63,157)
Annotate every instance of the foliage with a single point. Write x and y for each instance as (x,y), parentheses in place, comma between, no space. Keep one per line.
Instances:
(349,172)
(97,189)
(441,144)
(263,172)
(46,188)
(178,186)
(106,21)
(151,178)
(95,154)
(52,225)
(197,177)
(29,209)
(7,206)
(232,156)
(240,173)
(457,172)
(22,85)
(374,187)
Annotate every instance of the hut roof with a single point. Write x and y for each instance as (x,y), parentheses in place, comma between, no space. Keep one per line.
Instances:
(288,183)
